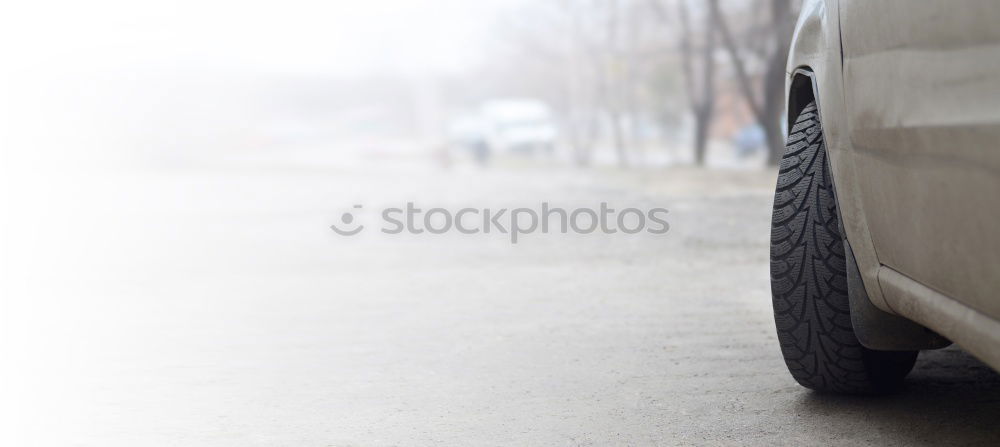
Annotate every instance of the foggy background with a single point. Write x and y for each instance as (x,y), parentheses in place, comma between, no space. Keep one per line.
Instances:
(633,83)
(170,172)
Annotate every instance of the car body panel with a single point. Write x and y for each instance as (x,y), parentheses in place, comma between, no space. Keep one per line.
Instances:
(922,89)
(908,95)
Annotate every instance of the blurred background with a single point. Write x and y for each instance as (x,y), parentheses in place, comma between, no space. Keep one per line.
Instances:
(170,172)
(631,83)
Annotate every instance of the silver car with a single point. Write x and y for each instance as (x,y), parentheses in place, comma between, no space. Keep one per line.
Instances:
(886,227)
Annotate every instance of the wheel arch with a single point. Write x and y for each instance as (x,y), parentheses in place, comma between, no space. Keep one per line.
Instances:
(801,91)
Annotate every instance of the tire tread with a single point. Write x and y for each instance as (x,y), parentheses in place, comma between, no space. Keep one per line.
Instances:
(809,279)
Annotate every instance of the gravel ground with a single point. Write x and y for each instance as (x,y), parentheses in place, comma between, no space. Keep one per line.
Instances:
(213,306)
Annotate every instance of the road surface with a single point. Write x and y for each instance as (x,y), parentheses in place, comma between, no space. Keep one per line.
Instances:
(212,306)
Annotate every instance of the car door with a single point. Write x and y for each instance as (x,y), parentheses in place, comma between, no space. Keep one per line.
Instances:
(922,92)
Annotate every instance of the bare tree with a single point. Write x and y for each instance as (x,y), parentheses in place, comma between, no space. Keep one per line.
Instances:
(581,116)
(576,58)
(621,60)
(698,69)
(768,105)
(613,83)
(701,97)
(610,76)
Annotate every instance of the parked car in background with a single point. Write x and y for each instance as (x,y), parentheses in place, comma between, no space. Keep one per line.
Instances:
(506,126)
(519,125)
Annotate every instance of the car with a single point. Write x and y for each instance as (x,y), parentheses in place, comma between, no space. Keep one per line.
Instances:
(519,125)
(505,125)
(884,235)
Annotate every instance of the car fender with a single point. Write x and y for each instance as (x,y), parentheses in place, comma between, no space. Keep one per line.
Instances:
(815,71)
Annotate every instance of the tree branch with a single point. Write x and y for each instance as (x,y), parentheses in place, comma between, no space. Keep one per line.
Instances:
(746,85)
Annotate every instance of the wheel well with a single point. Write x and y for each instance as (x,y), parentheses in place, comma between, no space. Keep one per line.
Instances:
(800,94)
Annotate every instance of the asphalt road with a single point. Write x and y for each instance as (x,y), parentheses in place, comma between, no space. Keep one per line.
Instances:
(213,306)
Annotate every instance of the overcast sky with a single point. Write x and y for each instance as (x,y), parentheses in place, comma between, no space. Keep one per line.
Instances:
(339,37)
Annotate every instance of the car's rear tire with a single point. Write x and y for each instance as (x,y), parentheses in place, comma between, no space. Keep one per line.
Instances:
(809,279)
